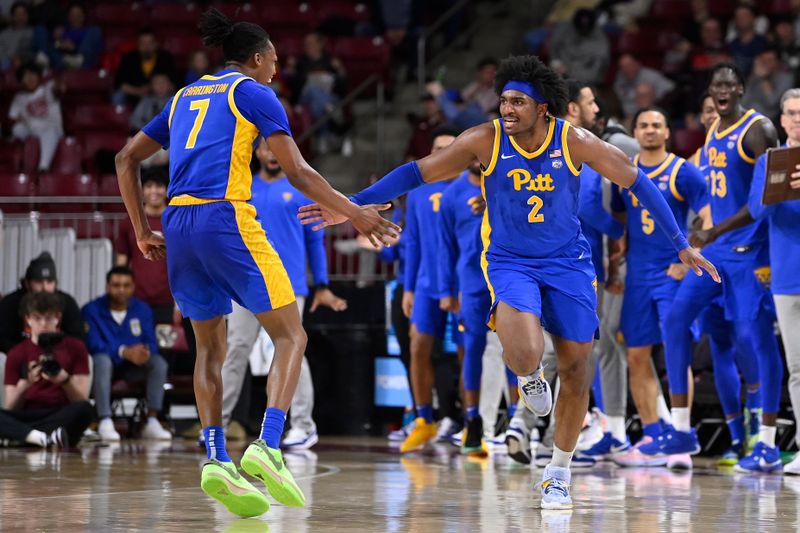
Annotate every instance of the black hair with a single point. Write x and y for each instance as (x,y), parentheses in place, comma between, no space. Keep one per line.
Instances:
(531,70)
(654,108)
(574,88)
(445,129)
(239,40)
(41,303)
(119,271)
(28,67)
(771,49)
(702,99)
(730,66)
(486,61)
(750,7)
(159,175)
(15,5)
(146,30)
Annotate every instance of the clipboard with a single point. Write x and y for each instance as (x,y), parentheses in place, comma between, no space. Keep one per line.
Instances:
(781,163)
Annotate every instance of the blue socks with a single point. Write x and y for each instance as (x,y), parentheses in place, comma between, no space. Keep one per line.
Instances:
(472,412)
(652,430)
(272,427)
(426,412)
(512,410)
(215,443)
(736,427)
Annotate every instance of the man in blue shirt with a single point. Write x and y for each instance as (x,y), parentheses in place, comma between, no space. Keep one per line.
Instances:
(122,340)
(276,203)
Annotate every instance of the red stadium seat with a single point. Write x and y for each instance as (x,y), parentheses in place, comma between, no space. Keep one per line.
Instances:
(66,185)
(109,188)
(98,117)
(178,15)
(721,8)
(12,185)
(362,57)
(30,156)
(181,45)
(68,157)
(671,10)
(86,86)
(11,156)
(119,14)
(240,11)
(639,43)
(94,142)
(281,19)
(686,142)
(358,12)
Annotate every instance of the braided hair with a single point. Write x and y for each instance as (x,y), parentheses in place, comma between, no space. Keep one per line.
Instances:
(239,40)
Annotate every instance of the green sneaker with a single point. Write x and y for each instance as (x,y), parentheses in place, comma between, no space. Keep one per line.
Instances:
(267,465)
(223,482)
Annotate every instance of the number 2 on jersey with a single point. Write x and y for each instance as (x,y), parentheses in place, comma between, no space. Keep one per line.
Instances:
(535,216)
(202,107)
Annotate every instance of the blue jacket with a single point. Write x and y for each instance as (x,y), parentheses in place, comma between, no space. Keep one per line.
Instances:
(104,335)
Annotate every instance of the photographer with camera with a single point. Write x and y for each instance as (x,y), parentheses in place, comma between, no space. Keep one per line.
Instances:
(46,380)
(122,340)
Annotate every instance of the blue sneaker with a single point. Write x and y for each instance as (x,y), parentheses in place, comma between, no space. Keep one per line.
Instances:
(555,488)
(581,460)
(763,459)
(607,447)
(673,442)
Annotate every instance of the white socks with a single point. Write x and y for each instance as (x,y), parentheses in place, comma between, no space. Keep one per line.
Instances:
(561,458)
(766,434)
(662,410)
(680,419)
(39,438)
(616,425)
(152,420)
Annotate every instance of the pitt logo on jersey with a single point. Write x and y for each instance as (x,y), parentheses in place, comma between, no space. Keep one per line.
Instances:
(717,159)
(541,183)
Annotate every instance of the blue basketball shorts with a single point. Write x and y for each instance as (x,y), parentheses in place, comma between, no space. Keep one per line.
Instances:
(644,309)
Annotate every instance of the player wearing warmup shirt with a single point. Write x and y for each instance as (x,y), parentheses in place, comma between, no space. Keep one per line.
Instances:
(732,145)
(784,241)
(536,261)
(276,202)
(654,270)
(421,296)
(217,251)
(464,291)
(728,361)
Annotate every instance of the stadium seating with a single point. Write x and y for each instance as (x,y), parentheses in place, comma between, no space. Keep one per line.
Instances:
(13,184)
(97,117)
(686,142)
(362,57)
(108,187)
(68,157)
(86,86)
(66,185)
(99,144)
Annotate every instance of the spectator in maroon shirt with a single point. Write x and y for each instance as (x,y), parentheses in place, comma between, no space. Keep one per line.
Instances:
(152,285)
(46,380)
(419,145)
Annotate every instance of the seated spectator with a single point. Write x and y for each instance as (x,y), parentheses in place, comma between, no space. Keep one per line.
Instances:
(481,89)
(787,43)
(72,44)
(199,66)
(631,74)
(748,43)
(580,49)
(710,51)
(122,340)
(767,83)
(419,145)
(161,90)
(154,287)
(461,115)
(46,380)
(16,39)
(36,112)
(132,81)
(40,276)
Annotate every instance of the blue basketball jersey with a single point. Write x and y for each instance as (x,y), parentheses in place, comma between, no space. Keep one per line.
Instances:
(730,173)
(650,251)
(531,197)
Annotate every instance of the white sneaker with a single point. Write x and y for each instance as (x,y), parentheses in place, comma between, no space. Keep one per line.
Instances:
(153,430)
(535,392)
(299,439)
(456,438)
(107,431)
(447,427)
(595,426)
(518,444)
(399,435)
(793,467)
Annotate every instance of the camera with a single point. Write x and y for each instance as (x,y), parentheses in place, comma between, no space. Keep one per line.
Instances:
(47,341)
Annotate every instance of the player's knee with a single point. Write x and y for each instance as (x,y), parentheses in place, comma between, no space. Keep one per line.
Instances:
(574,373)
(523,360)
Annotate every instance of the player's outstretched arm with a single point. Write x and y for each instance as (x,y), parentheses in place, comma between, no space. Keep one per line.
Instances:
(366,219)
(128,162)
(612,163)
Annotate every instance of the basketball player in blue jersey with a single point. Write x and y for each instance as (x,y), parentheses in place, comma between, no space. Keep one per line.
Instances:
(732,145)
(463,291)
(654,271)
(217,251)
(421,296)
(536,261)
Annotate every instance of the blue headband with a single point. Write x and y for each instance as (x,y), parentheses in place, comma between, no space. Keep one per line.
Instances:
(525,88)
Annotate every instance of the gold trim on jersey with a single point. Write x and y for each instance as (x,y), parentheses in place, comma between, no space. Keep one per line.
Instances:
(186,199)
(565,149)
(486,232)
(695,158)
(172,107)
(240,180)
(673,176)
(664,164)
(528,155)
(276,280)
(495,147)
(740,146)
(209,77)
(721,135)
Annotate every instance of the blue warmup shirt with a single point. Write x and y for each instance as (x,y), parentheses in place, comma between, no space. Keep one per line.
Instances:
(396,252)
(595,220)
(650,252)
(104,335)
(730,172)
(460,240)
(422,238)
(216,121)
(276,206)
(784,233)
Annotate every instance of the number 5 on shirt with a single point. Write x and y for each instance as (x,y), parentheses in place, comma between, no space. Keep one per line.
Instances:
(202,107)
